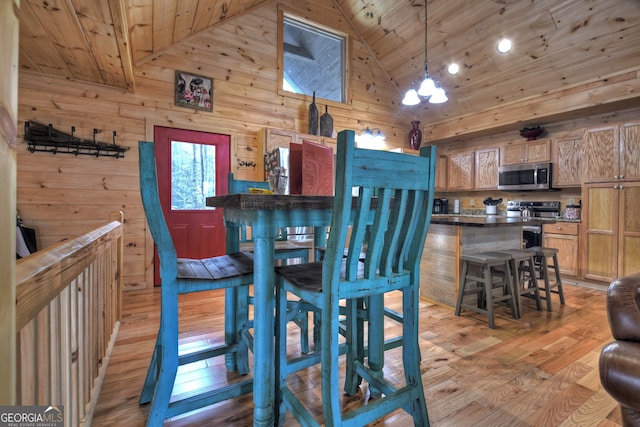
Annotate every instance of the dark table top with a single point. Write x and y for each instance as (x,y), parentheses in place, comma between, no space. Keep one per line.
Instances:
(270,201)
(488,220)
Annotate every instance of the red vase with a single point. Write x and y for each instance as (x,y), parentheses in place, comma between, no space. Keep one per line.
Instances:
(415,135)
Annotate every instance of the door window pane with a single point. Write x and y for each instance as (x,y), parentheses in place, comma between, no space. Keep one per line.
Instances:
(193,175)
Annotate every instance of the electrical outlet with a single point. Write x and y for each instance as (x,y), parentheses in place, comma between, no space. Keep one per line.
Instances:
(472,202)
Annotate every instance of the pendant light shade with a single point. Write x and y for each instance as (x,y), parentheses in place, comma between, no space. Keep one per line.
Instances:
(411,97)
(438,96)
(429,89)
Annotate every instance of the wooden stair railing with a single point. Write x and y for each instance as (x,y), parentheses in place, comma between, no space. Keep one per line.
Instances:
(68,303)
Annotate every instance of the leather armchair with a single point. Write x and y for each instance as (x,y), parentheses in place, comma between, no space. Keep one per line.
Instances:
(620,360)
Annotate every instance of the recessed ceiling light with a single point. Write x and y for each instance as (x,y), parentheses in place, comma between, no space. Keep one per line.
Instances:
(504,46)
(453,68)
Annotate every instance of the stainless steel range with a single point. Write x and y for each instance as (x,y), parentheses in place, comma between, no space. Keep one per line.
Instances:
(532,234)
(548,209)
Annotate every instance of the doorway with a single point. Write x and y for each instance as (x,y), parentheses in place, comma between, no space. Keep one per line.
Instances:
(192,166)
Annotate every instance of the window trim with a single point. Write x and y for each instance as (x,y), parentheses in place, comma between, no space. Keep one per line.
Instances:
(282,12)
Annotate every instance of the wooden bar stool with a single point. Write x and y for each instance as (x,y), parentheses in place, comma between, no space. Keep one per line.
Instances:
(484,284)
(523,270)
(542,255)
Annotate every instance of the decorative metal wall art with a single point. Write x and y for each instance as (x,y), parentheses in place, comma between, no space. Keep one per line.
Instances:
(45,138)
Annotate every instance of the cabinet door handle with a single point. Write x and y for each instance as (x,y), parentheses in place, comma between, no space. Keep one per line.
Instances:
(621,187)
(621,176)
(616,177)
(615,187)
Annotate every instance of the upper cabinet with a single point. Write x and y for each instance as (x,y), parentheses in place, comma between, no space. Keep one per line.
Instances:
(612,153)
(441,172)
(630,152)
(566,153)
(460,170)
(526,152)
(487,163)
(441,167)
(601,154)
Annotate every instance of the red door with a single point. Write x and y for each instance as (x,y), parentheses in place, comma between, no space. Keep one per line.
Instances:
(192,166)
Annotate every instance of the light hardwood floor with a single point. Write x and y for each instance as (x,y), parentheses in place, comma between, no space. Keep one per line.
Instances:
(541,370)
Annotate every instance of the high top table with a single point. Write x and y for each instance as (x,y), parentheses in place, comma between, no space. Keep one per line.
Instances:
(265,214)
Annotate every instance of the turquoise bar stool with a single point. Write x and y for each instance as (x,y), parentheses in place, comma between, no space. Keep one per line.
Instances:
(180,276)
(390,218)
(285,249)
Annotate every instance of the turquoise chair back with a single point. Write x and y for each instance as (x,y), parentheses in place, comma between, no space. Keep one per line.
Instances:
(390,220)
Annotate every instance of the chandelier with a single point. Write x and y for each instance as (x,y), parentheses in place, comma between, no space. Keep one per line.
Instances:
(429,89)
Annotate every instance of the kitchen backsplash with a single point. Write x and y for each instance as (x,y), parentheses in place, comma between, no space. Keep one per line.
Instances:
(471,202)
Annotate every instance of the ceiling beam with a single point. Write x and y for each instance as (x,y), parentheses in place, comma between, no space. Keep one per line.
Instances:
(159,52)
(607,93)
(121,29)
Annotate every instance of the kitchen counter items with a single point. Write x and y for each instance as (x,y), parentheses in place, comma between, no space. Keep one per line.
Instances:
(492,205)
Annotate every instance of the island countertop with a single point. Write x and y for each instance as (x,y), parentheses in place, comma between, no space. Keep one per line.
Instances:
(451,236)
(488,220)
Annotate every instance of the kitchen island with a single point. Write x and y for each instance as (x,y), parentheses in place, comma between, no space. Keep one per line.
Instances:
(450,236)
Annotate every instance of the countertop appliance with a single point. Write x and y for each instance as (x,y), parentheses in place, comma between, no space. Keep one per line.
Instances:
(573,211)
(532,234)
(440,206)
(545,209)
(529,176)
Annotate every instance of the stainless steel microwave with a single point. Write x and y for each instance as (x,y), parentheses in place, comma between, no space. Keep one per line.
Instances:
(528,176)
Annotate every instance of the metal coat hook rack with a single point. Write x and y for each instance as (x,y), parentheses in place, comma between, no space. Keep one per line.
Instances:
(45,138)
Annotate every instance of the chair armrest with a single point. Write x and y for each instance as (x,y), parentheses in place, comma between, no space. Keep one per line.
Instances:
(623,308)
(619,365)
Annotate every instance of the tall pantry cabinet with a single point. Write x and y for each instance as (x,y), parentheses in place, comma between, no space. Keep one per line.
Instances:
(611,196)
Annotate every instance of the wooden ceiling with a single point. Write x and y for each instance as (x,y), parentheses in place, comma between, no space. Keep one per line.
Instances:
(558,45)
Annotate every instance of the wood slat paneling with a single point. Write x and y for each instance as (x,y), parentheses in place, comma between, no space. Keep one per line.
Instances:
(61,25)
(556,46)
(36,45)
(239,53)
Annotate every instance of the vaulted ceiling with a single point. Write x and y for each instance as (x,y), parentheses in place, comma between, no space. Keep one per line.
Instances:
(558,45)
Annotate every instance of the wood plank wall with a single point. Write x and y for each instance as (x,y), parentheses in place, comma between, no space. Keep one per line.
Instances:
(8,117)
(63,196)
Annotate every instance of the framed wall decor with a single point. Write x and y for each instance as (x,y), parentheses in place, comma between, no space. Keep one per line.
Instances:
(193,91)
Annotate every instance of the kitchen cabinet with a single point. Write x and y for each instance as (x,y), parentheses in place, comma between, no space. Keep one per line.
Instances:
(441,167)
(526,152)
(460,170)
(441,172)
(566,154)
(612,153)
(601,154)
(611,230)
(630,152)
(564,236)
(486,173)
